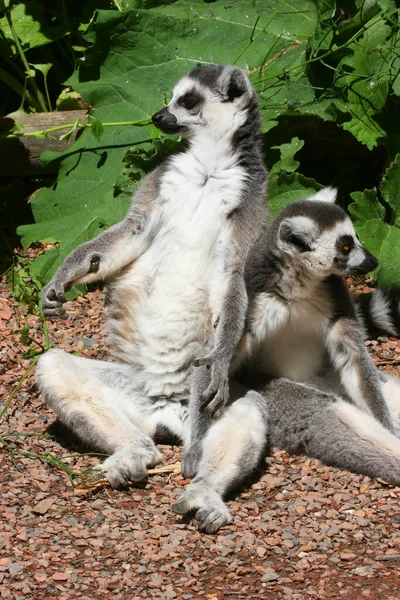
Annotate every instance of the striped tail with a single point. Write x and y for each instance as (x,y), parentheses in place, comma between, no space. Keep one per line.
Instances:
(379,312)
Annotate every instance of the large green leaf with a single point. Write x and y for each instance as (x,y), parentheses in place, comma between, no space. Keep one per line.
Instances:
(134,60)
(286,186)
(31,26)
(368,82)
(380,237)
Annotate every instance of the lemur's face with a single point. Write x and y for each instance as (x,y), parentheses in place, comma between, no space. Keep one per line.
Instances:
(209,98)
(320,238)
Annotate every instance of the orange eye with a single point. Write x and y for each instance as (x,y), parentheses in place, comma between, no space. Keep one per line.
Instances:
(346,248)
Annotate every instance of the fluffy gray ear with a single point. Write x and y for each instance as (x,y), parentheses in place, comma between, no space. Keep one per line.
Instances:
(327,194)
(297,234)
(233,83)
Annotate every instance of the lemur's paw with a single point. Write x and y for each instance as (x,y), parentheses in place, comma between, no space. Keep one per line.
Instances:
(212,518)
(52,300)
(129,464)
(216,396)
(211,511)
(190,460)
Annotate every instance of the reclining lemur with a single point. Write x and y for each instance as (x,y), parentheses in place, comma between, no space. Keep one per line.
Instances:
(176,265)
(303,350)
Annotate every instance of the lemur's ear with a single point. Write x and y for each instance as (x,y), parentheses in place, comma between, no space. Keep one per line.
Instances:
(327,194)
(297,234)
(233,83)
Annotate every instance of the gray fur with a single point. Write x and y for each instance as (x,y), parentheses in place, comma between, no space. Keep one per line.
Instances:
(305,420)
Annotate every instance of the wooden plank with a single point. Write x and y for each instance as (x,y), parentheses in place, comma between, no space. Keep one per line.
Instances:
(20,157)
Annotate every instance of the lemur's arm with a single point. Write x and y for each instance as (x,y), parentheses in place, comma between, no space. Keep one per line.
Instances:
(210,387)
(229,326)
(107,253)
(358,373)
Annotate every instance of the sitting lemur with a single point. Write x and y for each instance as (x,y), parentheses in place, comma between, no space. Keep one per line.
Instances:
(176,271)
(193,269)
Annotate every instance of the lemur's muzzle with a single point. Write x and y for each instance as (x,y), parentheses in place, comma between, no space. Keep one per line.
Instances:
(368,264)
(166,121)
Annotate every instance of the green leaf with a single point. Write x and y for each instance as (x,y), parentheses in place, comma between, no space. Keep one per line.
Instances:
(368,83)
(134,59)
(31,26)
(43,68)
(390,188)
(287,188)
(96,127)
(287,162)
(380,238)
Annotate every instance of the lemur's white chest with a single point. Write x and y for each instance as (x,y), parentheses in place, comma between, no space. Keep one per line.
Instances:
(288,336)
(177,285)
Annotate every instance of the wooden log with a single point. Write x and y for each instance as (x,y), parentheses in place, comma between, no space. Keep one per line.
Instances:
(20,156)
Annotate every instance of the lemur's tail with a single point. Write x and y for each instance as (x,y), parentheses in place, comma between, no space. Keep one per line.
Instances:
(304,420)
(379,312)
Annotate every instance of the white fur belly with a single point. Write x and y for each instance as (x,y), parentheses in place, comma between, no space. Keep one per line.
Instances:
(288,337)
(297,356)
(168,320)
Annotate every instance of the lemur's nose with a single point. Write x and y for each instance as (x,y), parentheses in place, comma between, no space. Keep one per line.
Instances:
(159,116)
(373,260)
(369,263)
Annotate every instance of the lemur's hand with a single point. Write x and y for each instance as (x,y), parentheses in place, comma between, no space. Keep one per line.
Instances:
(216,396)
(52,300)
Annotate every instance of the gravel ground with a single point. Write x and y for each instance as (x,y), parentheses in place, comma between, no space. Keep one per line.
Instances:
(303,531)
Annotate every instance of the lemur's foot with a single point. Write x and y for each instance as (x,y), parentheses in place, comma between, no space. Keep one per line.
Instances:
(211,511)
(129,464)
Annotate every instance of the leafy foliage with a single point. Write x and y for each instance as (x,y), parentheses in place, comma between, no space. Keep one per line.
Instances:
(329,87)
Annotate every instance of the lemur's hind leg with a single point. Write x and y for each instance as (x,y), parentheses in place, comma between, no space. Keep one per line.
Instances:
(96,400)
(391,392)
(305,420)
(233,448)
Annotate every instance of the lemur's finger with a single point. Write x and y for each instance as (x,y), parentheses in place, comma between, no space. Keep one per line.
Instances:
(216,404)
(205,361)
(51,295)
(49,304)
(208,395)
(55,313)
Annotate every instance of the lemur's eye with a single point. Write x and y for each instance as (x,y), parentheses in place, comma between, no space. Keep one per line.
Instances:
(189,100)
(345,244)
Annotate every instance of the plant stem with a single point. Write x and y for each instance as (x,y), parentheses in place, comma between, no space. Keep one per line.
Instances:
(45,132)
(31,80)
(326,54)
(20,382)
(17,87)
(253,39)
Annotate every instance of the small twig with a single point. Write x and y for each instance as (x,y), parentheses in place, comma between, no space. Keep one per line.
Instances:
(388,361)
(93,486)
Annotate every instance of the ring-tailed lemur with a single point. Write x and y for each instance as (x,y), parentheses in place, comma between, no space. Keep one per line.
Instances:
(303,349)
(176,265)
